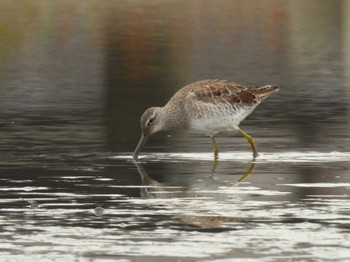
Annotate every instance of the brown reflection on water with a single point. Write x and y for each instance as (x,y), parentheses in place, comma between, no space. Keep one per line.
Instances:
(108,61)
(151,188)
(145,46)
(191,189)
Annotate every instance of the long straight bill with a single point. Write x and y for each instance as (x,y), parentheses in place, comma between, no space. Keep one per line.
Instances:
(142,141)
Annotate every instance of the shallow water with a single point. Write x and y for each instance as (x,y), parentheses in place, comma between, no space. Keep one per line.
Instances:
(178,209)
(75,78)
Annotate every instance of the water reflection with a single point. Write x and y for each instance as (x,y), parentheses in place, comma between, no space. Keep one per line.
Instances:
(216,200)
(176,204)
(188,187)
(193,189)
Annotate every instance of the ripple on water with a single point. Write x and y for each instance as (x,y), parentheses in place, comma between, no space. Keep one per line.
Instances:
(240,156)
(180,213)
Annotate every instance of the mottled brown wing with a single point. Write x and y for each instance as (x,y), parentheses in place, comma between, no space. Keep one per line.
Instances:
(221,91)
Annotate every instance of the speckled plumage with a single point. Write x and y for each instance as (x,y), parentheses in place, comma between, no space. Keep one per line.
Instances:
(207,107)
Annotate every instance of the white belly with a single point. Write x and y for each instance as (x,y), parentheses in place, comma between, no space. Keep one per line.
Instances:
(211,126)
(215,123)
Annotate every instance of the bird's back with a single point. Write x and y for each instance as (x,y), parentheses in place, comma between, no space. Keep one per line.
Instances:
(223,91)
(216,105)
(208,107)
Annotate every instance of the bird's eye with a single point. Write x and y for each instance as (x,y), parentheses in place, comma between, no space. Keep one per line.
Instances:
(150,121)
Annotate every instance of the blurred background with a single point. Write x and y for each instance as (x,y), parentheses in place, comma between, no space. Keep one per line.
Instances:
(75,76)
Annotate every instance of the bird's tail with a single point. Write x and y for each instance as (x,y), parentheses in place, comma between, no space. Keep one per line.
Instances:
(263,92)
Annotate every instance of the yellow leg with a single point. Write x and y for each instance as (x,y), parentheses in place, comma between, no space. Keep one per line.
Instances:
(250,141)
(216,147)
(215,165)
(249,172)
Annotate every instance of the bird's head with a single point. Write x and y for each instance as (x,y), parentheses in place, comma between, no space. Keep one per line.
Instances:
(150,124)
(150,121)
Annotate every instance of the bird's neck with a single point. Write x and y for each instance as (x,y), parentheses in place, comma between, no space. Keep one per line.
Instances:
(172,118)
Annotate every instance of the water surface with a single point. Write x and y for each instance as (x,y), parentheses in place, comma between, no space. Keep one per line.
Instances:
(75,78)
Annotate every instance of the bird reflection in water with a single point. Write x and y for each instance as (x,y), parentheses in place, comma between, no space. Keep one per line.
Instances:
(190,190)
